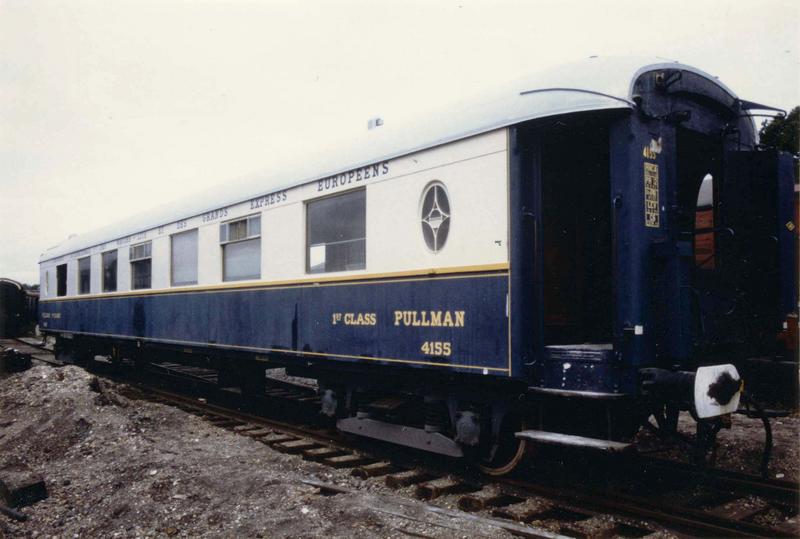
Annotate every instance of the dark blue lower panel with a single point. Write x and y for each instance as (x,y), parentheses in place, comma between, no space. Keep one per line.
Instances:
(414,322)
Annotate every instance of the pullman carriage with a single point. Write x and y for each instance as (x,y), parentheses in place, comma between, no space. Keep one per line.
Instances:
(578,251)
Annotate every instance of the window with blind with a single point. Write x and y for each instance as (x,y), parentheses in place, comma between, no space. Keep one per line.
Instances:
(241,248)
(184,258)
(141,265)
(110,271)
(336,233)
(84,275)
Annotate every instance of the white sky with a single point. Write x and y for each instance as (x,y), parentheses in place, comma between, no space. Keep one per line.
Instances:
(109,108)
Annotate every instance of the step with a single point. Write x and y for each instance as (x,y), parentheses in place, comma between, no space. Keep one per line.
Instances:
(556,438)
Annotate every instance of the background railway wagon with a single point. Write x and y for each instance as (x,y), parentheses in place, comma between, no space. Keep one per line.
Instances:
(18,308)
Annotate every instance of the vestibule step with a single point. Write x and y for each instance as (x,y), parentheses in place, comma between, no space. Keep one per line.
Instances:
(556,438)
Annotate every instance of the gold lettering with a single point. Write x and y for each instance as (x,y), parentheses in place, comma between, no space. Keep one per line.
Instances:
(451,319)
(363,319)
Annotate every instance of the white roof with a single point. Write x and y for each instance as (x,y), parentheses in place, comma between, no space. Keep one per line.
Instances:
(595,83)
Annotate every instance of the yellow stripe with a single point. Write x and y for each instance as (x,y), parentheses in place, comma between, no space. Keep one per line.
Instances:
(290,352)
(371,278)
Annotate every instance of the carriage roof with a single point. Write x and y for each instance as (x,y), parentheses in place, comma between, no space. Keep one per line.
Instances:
(595,83)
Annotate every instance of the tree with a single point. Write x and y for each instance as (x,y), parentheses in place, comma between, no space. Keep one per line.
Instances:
(782,133)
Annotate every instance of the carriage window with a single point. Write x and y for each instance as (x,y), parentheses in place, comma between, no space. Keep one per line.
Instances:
(141,265)
(110,271)
(61,280)
(184,258)
(84,275)
(241,249)
(336,233)
(704,252)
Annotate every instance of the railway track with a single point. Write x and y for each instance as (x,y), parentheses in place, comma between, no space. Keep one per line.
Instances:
(713,502)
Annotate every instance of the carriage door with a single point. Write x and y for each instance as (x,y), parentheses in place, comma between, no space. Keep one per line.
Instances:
(754,248)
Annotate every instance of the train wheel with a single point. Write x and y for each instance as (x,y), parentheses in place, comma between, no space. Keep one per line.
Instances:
(509,451)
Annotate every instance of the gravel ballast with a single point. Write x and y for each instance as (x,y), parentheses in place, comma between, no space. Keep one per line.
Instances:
(116,467)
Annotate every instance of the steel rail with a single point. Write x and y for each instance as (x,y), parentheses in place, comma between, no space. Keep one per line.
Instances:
(675,516)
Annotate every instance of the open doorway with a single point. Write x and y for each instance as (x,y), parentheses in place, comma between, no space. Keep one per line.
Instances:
(697,220)
(576,210)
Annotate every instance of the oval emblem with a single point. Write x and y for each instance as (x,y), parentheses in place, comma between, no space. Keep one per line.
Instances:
(435,216)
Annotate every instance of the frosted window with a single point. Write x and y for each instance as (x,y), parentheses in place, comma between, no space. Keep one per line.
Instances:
(184,258)
(242,260)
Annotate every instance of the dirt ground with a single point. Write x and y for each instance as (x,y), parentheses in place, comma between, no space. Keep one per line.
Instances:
(741,446)
(120,468)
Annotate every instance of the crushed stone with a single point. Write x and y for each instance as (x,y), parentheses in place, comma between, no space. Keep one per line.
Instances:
(117,467)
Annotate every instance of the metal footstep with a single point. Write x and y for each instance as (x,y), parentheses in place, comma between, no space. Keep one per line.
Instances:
(556,438)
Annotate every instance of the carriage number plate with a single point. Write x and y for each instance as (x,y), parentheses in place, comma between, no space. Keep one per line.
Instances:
(436,348)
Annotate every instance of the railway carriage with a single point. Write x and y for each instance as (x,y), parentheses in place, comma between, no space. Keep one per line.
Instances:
(527,264)
(18,308)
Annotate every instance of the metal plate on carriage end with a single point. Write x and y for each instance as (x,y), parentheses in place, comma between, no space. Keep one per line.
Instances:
(557,438)
(401,435)
(717,390)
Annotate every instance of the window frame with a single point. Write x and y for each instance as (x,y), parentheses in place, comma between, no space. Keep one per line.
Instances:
(148,256)
(307,245)
(248,237)
(172,282)
(88,260)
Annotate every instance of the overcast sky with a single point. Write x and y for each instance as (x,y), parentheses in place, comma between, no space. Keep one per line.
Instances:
(108,108)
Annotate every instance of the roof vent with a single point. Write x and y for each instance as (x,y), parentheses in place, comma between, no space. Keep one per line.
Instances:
(374,122)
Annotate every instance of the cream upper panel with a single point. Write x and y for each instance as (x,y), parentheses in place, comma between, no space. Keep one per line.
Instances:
(474,172)
(477,195)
